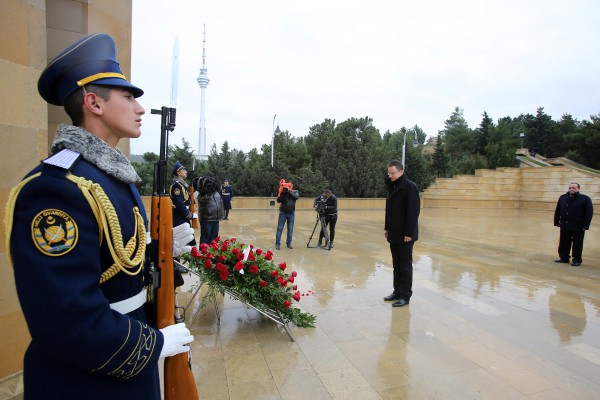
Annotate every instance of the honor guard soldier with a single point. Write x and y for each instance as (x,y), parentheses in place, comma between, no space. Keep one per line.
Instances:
(226,196)
(76,232)
(180,197)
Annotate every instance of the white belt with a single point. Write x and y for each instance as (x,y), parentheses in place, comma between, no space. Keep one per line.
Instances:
(133,303)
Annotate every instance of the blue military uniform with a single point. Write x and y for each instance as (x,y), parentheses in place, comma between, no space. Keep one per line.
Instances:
(180,197)
(226,196)
(76,236)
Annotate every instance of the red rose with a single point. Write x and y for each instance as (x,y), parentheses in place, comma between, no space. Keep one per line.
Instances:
(281,280)
(294,273)
(274,274)
(239,266)
(210,256)
(287,304)
(233,240)
(259,252)
(263,283)
(222,258)
(282,266)
(297,296)
(251,256)
(203,247)
(240,256)
(218,239)
(254,269)
(236,251)
(207,264)
(195,252)
(224,274)
(225,246)
(220,267)
(269,256)
(295,287)
(291,279)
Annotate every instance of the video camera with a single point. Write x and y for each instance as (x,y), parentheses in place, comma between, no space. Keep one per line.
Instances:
(204,185)
(320,205)
(284,186)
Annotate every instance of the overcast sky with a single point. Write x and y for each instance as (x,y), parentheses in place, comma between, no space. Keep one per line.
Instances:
(402,63)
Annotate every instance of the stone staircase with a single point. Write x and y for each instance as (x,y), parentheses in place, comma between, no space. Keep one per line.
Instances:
(514,188)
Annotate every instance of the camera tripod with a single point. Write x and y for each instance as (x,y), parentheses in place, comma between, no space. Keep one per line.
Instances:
(321,219)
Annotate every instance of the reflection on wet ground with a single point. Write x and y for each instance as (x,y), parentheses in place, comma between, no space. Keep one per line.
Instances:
(492,316)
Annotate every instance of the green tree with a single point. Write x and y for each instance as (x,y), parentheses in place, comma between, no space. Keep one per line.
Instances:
(585,143)
(502,144)
(145,171)
(440,162)
(541,134)
(483,133)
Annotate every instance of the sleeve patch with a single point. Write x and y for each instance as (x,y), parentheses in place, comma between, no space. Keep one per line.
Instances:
(54,232)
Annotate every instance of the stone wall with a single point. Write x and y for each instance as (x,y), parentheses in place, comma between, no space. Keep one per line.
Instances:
(523,188)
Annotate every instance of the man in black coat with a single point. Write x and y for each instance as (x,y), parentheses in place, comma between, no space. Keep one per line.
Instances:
(573,216)
(402,208)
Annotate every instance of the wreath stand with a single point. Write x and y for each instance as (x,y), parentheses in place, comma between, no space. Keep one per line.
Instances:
(273,315)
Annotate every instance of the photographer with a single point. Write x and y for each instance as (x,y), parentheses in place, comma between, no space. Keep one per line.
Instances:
(287,199)
(326,206)
(210,209)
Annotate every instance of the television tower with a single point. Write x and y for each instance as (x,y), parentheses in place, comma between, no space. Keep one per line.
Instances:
(203,82)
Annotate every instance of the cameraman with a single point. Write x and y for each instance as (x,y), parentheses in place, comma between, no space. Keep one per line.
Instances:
(287,208)
(329,212)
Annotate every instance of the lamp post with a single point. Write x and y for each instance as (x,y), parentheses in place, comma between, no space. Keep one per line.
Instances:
(415,144)
(275,132)
(522,136)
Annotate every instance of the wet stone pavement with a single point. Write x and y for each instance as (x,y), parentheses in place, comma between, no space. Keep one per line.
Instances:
(491,317)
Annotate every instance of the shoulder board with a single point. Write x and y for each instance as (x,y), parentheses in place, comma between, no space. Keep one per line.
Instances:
(63,159)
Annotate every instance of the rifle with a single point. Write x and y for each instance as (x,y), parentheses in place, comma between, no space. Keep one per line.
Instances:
(193,207)
(179,381)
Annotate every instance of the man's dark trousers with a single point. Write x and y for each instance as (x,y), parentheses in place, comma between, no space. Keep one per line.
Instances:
(564,244)
(403,269)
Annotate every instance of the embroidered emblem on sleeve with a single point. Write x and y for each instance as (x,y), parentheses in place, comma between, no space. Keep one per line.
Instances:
(54,232)
(177,192)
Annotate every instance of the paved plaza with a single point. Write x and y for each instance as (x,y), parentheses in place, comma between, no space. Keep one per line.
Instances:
(491,317)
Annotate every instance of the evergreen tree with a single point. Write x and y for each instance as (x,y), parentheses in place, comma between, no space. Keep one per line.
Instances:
(440,163)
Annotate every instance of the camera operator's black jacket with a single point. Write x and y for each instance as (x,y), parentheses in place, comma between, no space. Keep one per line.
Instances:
(288,201)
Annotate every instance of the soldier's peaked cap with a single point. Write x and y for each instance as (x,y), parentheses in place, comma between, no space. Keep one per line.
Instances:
(91,60)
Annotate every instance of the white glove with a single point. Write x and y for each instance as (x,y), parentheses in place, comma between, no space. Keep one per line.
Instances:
(182,235)
(177,337)
(195,195)
(194,216)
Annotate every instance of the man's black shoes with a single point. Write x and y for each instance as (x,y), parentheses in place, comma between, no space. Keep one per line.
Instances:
(561,260)
(576,263)
(392,297)
(400,303)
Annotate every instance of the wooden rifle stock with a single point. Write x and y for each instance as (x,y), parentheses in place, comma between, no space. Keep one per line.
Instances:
(193,207)
(179,383)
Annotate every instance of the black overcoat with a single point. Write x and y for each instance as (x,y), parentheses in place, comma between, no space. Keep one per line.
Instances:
(573,213)
(402,208)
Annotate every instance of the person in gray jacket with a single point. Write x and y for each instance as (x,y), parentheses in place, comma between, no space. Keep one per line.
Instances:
(210,209)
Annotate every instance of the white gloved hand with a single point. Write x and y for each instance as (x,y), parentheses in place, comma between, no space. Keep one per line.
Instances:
(195,195)
(182,235)
(194,216)
(177,337)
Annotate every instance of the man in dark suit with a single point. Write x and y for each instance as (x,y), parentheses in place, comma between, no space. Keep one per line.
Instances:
(573,215)
(402,208)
